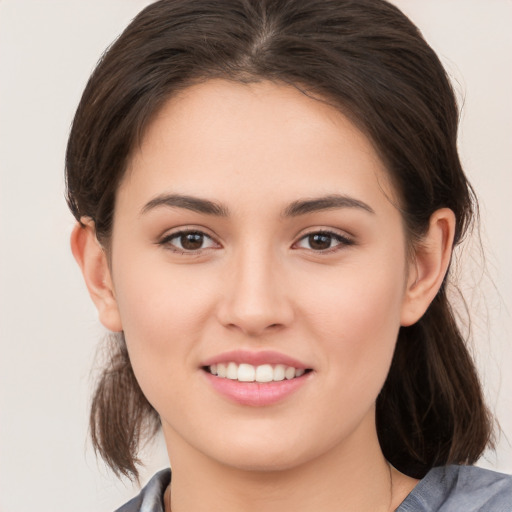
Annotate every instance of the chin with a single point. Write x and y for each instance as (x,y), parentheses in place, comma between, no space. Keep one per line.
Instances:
(264,463)
(273,456)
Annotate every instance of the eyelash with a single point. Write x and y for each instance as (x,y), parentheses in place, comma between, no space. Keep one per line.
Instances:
(343,241)
(167,241)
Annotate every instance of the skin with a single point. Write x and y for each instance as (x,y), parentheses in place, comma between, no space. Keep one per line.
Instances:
(257,283)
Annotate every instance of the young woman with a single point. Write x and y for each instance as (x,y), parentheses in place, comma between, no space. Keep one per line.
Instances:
(268,193)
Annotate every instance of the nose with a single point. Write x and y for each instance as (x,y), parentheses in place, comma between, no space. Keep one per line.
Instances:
(255,296)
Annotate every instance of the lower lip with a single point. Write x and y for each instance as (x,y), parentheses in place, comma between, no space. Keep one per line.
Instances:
(256,394)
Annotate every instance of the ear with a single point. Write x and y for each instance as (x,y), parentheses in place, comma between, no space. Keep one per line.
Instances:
(428,266)
(93,262)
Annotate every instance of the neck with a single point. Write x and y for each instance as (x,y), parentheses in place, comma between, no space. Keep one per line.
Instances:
(352,476)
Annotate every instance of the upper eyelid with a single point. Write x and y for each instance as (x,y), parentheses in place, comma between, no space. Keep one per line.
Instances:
(328,231)
(332,234)
(186,229)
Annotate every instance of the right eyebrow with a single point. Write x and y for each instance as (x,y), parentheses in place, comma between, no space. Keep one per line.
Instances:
(195,204)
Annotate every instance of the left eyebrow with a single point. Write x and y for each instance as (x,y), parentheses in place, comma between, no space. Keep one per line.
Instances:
(330,202)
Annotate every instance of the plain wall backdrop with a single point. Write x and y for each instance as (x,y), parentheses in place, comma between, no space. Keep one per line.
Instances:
(48,326)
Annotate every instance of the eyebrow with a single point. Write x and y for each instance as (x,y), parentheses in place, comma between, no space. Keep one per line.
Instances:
(295,209)
(330,202)
(195,204)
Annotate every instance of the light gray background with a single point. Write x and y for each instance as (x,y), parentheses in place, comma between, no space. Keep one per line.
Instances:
(48,327)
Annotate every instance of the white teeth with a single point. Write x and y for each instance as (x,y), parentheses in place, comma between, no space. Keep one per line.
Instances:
(289,373)
(264,373)
(248,373)
(232,371)
(221,370)
(279,370)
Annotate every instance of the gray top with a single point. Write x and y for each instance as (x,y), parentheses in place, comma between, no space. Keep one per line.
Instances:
(443,489)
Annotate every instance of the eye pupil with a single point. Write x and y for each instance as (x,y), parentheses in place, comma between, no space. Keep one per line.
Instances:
(319,241)
(192,241)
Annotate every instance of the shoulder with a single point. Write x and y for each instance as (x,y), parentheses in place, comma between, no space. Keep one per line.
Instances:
(150,498)
(456,488)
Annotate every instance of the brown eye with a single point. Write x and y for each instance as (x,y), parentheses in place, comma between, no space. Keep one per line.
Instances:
(323,241)
(320,241)
(188,241)
(192,241)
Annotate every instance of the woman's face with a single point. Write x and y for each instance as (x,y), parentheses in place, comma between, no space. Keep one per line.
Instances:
(255,234)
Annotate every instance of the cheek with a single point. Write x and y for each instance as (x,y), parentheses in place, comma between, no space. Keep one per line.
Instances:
(162,327)
(162,314)
(356,314)
(360,298)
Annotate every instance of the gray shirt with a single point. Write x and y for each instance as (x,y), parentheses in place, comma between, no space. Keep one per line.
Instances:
(443,489)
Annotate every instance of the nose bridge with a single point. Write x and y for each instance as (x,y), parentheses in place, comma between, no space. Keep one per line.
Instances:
(255,297)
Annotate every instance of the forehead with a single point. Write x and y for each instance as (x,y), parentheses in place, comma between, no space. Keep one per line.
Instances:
(222,137)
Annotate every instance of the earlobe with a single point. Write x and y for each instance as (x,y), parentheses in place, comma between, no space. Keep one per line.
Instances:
(429,266)
(92,260)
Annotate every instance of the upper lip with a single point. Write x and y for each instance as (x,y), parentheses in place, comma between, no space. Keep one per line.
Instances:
(255,358)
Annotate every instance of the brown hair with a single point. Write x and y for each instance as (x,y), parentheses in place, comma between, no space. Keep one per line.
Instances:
(366,58)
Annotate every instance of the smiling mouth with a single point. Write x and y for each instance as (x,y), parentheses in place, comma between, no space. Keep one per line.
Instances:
(248,373)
